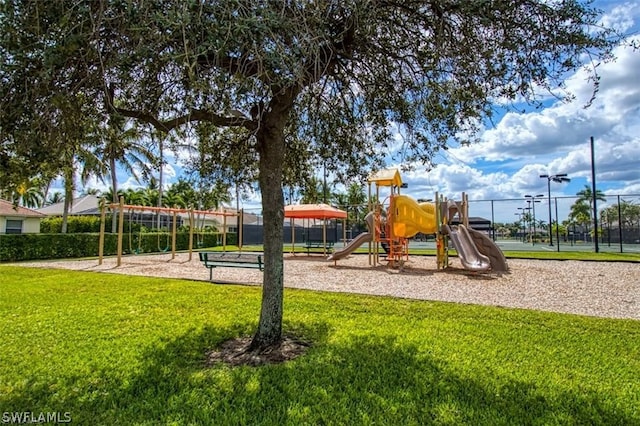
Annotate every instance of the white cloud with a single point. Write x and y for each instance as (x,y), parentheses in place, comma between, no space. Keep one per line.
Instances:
(556,139)
(621,17)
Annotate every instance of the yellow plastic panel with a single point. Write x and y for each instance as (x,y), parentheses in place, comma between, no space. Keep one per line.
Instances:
(411,217)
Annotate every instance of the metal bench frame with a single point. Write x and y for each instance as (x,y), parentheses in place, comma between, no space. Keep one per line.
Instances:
(309,244)
(212,259)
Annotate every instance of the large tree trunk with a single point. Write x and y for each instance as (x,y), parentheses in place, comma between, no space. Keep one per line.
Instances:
(271,148)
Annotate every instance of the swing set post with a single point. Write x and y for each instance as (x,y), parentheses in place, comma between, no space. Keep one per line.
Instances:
(224,231)
(173,235)
(120,230)
(190,233)
(240,224)
(103,215)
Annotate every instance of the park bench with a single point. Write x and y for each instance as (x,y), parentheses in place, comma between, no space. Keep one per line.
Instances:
(319,244)
(231,260)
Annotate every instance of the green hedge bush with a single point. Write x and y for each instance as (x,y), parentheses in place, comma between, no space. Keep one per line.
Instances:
(53,246)
(79,224)
(75,224)
(59,246)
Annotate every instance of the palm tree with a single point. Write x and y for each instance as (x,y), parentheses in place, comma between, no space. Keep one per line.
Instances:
(135,197)
(580,213)
(213,196)
(357,201)
(76,153)
(312,192)
(120,146)
(91,191)
(29,194)
(173,200)
(586,195)
(109,196)
(54,198)
(151,195)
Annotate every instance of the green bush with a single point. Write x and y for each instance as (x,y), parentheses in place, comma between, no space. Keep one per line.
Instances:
(53,246)
(59,246)
(81,224)
(75,224)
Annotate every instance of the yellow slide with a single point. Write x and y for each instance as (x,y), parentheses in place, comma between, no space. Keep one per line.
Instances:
(412,217)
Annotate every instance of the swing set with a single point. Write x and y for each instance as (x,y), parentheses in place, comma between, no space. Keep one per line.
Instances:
(119,208)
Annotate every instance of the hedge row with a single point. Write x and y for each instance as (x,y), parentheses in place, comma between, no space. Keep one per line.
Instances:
(60,246)
(75,224)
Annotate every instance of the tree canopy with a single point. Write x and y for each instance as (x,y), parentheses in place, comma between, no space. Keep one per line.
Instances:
(298,82)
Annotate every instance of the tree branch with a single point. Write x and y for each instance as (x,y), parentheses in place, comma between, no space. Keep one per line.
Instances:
(192,115)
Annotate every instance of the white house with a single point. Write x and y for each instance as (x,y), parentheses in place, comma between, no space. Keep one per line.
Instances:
(84,205)
(18,220)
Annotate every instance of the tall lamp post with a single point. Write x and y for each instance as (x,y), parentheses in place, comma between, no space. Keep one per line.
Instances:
(524,222)
(560,177)
(533,200)
(519,214)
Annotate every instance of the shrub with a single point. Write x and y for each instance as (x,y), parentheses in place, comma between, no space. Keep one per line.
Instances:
(80,224)
(58,246)
(53,246)
(75,224)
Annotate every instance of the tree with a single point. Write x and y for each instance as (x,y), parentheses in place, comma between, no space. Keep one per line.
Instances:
(120,145)
(586,195)
(28,194)
(313,191)
(90,191)
(583,211)
(580,213)
(335,73)
(357,201)
(54,198)
(76,154)
(626,214)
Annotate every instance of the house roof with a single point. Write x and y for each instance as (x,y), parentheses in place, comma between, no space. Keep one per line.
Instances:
(8,209)
(79,205)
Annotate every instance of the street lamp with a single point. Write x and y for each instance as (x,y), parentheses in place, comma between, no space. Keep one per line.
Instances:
(533,200)
(524,222)
(560,177)
(519,214)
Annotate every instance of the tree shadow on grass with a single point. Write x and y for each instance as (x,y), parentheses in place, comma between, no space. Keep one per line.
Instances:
(366,379)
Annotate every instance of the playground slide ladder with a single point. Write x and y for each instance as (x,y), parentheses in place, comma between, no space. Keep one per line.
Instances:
(398,248)
(398,251)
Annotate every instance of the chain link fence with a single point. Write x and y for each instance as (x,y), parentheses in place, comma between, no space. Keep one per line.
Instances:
(521,224)
(563,223)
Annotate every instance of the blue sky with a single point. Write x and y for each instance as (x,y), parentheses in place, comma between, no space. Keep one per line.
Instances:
(520,146)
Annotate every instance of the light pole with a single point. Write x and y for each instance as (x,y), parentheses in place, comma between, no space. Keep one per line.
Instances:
(533,200)
(519,214)
(524,222)
(560,177)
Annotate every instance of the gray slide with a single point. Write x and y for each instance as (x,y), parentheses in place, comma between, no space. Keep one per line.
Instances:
(468,253)
(365,237)
(488,247)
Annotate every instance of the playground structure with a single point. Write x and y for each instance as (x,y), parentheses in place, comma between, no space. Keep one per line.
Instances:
(399,217)
(121,207)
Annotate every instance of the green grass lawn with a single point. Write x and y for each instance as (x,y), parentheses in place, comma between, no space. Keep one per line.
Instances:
(114,349)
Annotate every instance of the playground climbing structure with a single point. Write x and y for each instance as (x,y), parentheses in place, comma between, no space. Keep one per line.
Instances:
(396,218)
